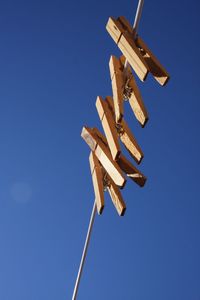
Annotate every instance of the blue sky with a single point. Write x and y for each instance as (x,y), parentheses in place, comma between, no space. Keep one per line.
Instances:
(53,63)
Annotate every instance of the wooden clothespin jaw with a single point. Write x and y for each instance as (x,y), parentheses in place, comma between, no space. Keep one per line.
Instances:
(118,85)
(154,66)
(139,56)
(124,87)
(125,135)
(103,182)
(98,144)
(125,165)
(132,172)
(107,173)
(108,125)
(124,39)
(115,131)
(115,194)
(97,178)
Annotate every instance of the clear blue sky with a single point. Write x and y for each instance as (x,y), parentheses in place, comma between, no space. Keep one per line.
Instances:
(53,63)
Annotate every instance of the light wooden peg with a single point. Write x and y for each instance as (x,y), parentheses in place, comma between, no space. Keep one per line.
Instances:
(125,165)
(115,29)
(108,125)
(136,102)
(97,178)
(118,83)
(126,136)
(154,66)
(103,154)
(124,86)
(130,143)
(156,69)
(139,56)
(115,195)
(131,171)
(118,31)
(134,96)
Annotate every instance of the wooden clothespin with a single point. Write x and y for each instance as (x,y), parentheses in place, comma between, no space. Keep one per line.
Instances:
(97,143)
(101,182)
(97,178)
(124,164)
(126,44)
(131,171)
(124,87)
(135,50)
(115,194)
(108,125)
(118,85)
(155,68)
(125,135)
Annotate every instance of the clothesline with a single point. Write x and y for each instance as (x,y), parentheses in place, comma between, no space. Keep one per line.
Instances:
(94,209)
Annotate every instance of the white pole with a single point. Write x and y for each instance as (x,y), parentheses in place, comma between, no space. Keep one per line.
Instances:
(84,251)
(94,210)
(136,24)
(138,15)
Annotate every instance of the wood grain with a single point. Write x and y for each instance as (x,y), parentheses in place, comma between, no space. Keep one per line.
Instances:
(131,171)
(126,136)
(136,103)
(157,70)
(120,32)
(103,154)
(116,197)
(108,125)
(117,82)
(97,179)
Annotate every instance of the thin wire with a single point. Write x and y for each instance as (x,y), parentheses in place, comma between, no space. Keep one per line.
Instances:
(135,25)
(138,15)
(94,210)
